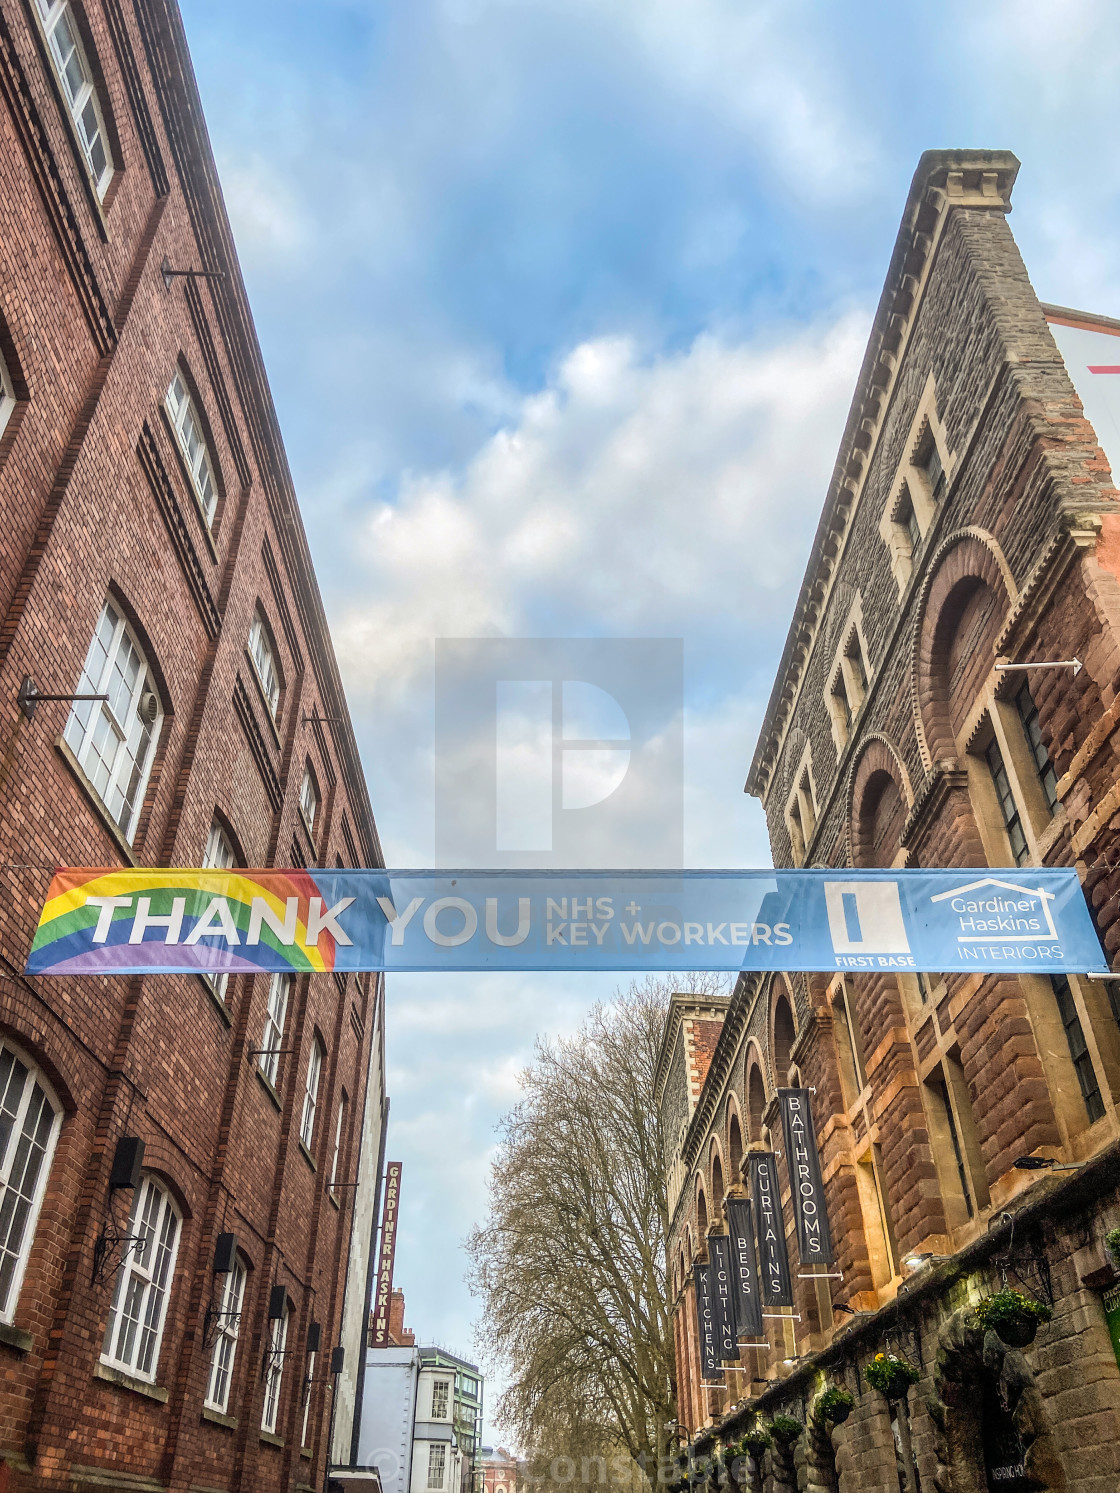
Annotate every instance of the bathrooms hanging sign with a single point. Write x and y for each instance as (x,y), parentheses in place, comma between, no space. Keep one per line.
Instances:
(160,921)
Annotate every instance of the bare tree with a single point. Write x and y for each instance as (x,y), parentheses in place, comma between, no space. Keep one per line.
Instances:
(570,1264)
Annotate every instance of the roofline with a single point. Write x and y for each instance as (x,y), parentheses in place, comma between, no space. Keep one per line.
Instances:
(944,178)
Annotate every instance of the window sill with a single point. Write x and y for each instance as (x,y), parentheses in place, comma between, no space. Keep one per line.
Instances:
(216,1418)
(90,793)
(305,1451)
(333,1199)
(15,1337)
(307,1156)
(129,1381)
(267,1087)
(268,1439)
(219,1003)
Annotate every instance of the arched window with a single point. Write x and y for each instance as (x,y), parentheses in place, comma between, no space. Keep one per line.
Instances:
(311,1093)
(717,1184)
(783,1038)
(219,855)
(274,1368)
(734,1146)
(139,1306)
(881,817)
(276,1014)
(701,1214)
(263,653)
(30,1118)
(192,445)
(114,739)
(309,798)
(75,77)
(226,1334)
(756,1101)
(7,393)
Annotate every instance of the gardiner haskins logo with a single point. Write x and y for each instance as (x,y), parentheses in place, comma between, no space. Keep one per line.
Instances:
(998,919)
(557,752)
(866,925)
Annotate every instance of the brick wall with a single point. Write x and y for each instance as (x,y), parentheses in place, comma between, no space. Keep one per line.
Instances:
(97,502)
(1019,557)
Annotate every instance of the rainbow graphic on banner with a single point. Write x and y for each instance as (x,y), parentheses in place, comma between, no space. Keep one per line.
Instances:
(230,921)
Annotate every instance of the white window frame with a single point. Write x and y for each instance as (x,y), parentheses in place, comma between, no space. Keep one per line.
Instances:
(94,725)
(276,1016)
(309,798)
(274,1371)
(227,1330)
(190,436)
(18,1223)
(338,1124)
(263,653)
(138,1312)
(443,1413)
(7,394)
(75,78)
(219,855)
(308,1385)
(437,1462)
(311,1092)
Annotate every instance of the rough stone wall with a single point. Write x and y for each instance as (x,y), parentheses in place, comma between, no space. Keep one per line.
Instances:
(96,500)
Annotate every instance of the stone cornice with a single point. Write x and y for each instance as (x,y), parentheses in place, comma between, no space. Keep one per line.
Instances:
(944,179)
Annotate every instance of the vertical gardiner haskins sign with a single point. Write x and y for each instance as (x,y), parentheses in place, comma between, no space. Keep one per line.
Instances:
(113,921)
(803,1163)
(383,1290)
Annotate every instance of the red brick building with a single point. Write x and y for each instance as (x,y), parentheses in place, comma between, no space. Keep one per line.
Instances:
(972,519)
(174,1330)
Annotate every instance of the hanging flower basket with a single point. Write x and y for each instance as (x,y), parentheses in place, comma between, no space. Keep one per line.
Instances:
(1112,1247)
(891,1375)
(834,1406)
(755,1441)
(1013,1315)
(786,1429)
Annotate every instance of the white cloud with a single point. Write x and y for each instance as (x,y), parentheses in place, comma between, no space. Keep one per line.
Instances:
(632,496)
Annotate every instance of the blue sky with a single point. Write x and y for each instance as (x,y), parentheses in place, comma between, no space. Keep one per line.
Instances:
(562,302)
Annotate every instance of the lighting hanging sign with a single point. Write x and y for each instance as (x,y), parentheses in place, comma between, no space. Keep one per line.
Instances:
(383,1292)
(166,920)
(719,1253)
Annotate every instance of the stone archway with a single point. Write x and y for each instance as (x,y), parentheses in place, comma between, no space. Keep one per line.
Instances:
(976,1369)
(821,1471)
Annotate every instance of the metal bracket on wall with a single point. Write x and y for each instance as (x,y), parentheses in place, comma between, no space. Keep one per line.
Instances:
(30,697)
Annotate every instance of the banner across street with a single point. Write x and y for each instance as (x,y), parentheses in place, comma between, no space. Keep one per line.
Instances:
(161,921)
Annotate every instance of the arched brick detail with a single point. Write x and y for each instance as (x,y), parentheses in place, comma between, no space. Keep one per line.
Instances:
(736,1131)
(966,560)
(967,1356)
(877,759)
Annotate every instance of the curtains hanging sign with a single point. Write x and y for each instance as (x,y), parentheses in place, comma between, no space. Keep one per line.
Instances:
(719,1252)
(803,1162)
(773,1261)
(711,1371)
(745,1296)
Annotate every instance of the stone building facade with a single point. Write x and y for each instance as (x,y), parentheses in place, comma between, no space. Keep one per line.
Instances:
(971,518)
(166,1320)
